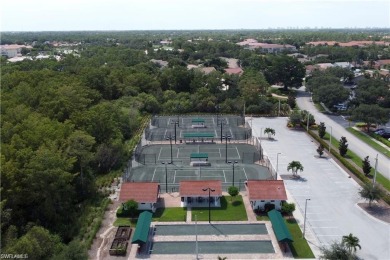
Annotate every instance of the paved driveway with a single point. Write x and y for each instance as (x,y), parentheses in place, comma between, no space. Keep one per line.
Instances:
(332,211)
(338,129)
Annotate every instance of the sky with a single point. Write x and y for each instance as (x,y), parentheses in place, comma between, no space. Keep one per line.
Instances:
(80,15)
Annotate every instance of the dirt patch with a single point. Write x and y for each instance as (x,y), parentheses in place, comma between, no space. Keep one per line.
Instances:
(377,210)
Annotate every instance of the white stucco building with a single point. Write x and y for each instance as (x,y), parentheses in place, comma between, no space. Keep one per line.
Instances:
(262,192)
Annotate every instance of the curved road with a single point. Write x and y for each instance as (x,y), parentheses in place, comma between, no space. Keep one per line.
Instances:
(338,124)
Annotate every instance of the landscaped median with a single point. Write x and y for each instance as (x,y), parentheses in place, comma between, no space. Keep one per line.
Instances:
(351,162)
(368,140)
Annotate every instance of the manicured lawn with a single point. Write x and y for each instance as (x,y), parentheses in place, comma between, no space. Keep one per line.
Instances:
(299,248)
(125,222)
(358,161)
(170,214)
(365,138)
(229,211)
(262,218)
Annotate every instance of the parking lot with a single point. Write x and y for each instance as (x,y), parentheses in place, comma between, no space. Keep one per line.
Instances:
(332,210)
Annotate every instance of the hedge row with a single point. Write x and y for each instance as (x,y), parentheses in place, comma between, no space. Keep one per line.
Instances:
(349,166)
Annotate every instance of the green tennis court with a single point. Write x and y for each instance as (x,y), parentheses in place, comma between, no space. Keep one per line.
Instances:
(170,175)
(163,127)
(181,153)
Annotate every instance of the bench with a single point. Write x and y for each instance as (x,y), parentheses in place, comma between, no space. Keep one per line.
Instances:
(200,163)
(198,126)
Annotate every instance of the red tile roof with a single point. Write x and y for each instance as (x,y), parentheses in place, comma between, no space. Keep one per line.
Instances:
(234,71)
(195,188)
(266,190)
(141,192)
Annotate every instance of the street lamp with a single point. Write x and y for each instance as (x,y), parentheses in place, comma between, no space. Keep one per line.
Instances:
(226,136)
(233,163)
(210,190)
(170,137)
(376,164)
(277,165)
(304,220)
(166,176)
(221,123)
(175,123)
(330,138)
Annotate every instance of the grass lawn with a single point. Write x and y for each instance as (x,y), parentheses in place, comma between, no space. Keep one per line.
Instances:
(366,138)
(125,222)
(299,248)
(170,214)
(262,218)
(229,211)
(358,161)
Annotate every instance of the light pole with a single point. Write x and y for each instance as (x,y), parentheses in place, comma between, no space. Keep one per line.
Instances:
(170,137)
(226,136)
(175,123)
(166,176)
(304,220)
(376,164)
(196,237)
(221,124)
(210,190)
(330,138)
(233,163)
(277,165)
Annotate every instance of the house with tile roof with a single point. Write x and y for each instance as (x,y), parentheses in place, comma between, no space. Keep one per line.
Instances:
(144,193)
(263,192)
(195,193)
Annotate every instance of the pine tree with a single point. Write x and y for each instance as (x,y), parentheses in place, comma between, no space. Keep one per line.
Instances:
(343,146)
(366,166)
(321,130)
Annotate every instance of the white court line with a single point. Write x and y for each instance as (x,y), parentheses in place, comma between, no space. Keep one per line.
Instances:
(231,133)
(165,133)
(224,175)
(245,173)
(215,130)
(154,172)
(239,157)
(213,121)
(177,154)
(159,154)
(174,177)
(220,155)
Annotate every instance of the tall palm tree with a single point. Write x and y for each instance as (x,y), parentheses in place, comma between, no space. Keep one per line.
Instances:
(351,242)
(295,166)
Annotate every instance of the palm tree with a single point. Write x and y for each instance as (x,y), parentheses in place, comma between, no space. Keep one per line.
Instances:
(295,166)
(222,258)
(351,242)
(370,192)
(269,131)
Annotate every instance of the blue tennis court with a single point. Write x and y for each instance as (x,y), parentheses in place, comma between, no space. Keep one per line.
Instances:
(207,229)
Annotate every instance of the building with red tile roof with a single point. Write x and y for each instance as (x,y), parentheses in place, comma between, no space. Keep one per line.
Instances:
(262,192)
(145,193)
(237,71)
(192,192)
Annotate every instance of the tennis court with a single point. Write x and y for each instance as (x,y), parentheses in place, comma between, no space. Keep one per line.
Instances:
(181,153)
(172,174)
(165,127)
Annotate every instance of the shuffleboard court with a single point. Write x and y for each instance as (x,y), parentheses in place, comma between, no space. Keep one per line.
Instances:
(214,247)
(207,229)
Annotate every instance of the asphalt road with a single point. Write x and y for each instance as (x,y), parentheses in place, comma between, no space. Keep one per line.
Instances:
(337,125)
(332,211)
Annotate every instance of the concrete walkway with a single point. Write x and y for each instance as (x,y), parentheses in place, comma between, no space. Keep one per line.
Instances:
(189,215)
(248,208)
